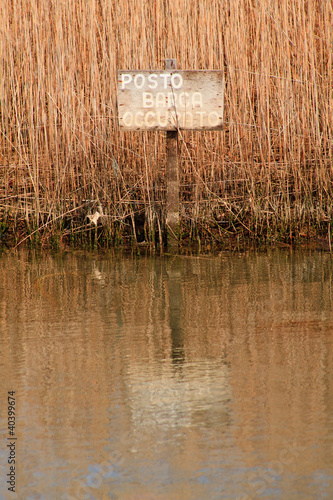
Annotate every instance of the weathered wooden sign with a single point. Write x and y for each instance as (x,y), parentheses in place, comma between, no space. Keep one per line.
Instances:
(170,100)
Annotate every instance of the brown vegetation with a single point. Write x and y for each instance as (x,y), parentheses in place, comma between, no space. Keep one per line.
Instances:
(62,156)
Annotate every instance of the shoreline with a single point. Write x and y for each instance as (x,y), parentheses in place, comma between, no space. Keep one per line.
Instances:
(132,234)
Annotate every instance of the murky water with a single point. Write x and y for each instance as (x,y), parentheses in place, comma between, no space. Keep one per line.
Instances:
(168,378)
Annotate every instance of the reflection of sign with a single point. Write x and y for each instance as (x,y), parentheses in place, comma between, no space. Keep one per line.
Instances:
(170,100)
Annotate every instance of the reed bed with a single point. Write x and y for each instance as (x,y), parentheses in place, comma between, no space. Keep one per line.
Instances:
(267,176)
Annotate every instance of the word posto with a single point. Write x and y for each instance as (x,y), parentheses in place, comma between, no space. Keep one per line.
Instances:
(153,80)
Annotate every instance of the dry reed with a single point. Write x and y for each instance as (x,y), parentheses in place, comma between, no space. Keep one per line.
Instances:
(268,173)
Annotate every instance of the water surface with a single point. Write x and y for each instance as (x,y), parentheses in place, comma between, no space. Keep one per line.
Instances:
(168,377)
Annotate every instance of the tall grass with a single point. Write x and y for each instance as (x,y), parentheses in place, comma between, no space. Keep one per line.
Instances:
(62,154)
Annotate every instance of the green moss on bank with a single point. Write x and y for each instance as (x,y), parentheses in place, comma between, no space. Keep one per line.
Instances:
(202,235)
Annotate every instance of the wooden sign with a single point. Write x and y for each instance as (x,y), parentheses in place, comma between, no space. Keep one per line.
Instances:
(170,100)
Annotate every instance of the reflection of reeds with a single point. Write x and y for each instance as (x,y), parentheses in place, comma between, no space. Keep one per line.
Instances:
(268,172)
(101,329)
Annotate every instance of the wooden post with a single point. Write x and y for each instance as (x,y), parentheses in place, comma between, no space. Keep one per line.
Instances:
(172,178)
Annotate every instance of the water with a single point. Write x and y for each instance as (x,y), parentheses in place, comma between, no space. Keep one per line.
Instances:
(168,378)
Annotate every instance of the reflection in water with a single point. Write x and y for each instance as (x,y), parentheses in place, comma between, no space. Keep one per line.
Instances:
(175,307)
(181,378)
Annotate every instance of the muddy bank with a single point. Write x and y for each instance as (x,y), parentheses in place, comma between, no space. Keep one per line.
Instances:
(91,229)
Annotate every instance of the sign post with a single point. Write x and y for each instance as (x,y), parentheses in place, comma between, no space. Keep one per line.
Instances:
(172,177)
(171,100)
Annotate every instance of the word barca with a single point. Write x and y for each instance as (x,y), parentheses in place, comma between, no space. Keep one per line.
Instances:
(171,99)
